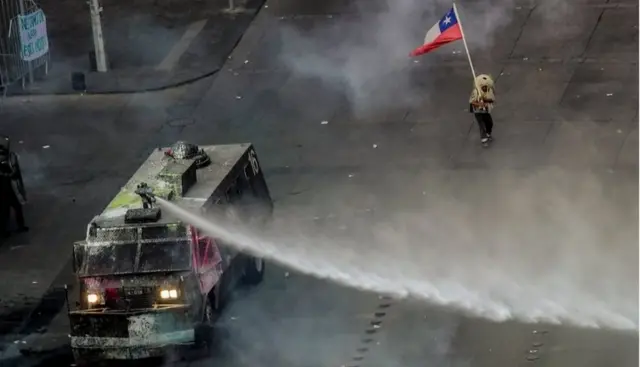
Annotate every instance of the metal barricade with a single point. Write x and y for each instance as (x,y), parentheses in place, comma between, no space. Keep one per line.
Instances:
(12,66)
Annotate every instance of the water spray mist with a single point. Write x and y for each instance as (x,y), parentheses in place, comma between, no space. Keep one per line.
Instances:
(402,282)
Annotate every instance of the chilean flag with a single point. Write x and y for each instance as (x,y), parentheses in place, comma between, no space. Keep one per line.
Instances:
(445,31)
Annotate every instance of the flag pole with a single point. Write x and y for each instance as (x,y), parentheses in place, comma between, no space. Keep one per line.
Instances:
(464,40)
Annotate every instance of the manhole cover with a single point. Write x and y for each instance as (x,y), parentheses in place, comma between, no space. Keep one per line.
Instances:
(181,122)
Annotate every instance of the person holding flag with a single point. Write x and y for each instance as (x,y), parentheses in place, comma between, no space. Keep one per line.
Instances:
(447,30)
(480,104)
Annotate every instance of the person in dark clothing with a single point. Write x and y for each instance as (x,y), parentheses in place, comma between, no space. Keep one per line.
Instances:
(12,192)
(480,104)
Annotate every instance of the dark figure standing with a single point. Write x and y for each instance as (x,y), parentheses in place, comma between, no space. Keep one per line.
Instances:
(12,192)
(481,104)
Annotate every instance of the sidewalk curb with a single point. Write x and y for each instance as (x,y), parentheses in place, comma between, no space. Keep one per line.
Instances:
(123,82)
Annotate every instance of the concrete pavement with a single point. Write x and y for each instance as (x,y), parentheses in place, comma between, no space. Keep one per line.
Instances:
(150,45)
(566,137)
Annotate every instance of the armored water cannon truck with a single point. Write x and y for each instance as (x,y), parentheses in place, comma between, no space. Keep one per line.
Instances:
(147,281)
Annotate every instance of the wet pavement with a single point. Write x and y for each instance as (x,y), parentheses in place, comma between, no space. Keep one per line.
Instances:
(337,117)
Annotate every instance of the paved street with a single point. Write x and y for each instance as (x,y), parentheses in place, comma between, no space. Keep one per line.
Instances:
(377,152)
(150,45)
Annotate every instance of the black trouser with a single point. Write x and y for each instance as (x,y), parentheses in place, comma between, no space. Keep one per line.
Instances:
(485,123)
(10,200)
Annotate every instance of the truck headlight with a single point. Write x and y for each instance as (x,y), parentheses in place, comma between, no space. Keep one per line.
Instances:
(92,298)
(169,294)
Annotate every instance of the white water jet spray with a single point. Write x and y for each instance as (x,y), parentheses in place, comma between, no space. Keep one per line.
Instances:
(313,260)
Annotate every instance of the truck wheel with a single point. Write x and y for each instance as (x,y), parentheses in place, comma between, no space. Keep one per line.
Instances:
(218,297)
(204,329)
(207,318)
(253,271)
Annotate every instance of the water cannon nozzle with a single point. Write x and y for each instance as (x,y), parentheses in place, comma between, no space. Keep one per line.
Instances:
(147,195)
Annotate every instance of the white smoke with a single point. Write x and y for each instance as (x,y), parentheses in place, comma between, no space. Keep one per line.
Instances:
(558,254)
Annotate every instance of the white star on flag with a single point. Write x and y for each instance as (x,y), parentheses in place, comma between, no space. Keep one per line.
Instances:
(447,29)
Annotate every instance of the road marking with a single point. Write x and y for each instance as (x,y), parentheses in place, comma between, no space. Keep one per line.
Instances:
(181,46)
(376,320)
(376,316)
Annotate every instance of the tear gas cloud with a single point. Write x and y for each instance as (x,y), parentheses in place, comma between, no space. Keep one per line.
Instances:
(549,247)
(365,54)
(544,246)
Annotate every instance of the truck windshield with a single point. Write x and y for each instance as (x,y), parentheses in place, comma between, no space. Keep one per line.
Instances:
(121,258)
(109,259)
(164,256)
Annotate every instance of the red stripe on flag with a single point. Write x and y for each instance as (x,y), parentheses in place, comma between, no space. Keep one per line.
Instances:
(448,36)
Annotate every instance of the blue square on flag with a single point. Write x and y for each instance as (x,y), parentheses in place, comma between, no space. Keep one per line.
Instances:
(449,20)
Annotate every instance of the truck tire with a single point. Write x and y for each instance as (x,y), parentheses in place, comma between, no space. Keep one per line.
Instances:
(253,271)
(204,329)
